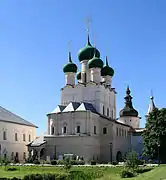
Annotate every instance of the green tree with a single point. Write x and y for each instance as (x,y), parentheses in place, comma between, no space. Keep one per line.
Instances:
(154,135)
(131,161)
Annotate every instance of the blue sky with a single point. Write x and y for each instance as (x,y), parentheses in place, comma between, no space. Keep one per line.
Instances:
(34,36)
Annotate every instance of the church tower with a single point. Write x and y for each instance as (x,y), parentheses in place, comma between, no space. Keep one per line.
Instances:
(128,115)
(151,105)
(84,55)
(107,73)
(95,65)
(70,70)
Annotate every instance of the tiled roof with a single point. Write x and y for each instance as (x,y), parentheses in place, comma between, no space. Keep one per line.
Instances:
(71,107)
(86,107)
(58,109)
(74,106)
(7,116)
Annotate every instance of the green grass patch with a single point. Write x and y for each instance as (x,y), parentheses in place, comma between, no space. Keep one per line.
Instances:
(103,173)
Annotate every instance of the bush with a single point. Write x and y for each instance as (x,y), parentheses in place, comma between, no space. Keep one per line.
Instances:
(14,178)
(36,162)
(126,174)
(76,162)
(140,162)
(93,162)
(150,161)
(54,162)
(77,175)
(46,176)
(29,160)
(67,164)
(114,163)
(12,169)
(143,170)
(60,162)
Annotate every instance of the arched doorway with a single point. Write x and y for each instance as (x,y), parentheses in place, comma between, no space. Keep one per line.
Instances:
(42,153)
(119,156)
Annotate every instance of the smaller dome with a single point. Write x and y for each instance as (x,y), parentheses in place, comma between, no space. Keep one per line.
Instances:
(87,52)
(128,110)
(107,70)
(70,66)
(78,76)
(95,62)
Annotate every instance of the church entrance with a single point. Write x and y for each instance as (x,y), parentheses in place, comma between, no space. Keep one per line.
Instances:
(119,156)
(42,153)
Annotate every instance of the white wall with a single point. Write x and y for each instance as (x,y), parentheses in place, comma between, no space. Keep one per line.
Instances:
(131,121)
(97,95)
(11,145)
(87,121)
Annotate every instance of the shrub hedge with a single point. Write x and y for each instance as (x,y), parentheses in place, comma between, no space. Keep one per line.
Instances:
(46,177)
(126,174)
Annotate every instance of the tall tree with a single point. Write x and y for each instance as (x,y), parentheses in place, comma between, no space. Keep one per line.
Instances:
(155,134)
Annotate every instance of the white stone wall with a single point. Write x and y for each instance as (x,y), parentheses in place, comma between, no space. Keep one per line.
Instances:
(10,144)
(95,75)
(70,78)
(92,143)
(86,146)
(131,121)
(97,95)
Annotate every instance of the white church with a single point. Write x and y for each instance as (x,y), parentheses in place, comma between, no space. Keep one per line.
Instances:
(85,123)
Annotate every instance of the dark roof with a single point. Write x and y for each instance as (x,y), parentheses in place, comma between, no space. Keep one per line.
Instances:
(58,109)
(86,107)
(128,110)
(7,116)
(71,107)
(74,106)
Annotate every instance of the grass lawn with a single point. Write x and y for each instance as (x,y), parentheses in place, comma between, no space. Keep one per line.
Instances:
(110,173)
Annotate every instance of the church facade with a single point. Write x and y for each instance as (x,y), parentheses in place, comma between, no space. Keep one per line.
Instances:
(84,123)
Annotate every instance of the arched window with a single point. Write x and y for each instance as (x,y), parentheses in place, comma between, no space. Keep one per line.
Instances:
(117,133)
(112,113)
(103,110)
(64,130)
(16,137)
(52,130)
(24,138)
(78,129)
(29,138)
(4,135)
(107,111)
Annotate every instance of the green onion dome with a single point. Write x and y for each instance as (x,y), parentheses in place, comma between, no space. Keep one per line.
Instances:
(70,66)
(87,52)
(95,62)
(128,110)
(107,70)
(78,76)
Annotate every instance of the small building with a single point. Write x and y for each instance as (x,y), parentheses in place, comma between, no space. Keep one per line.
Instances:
(15,133)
